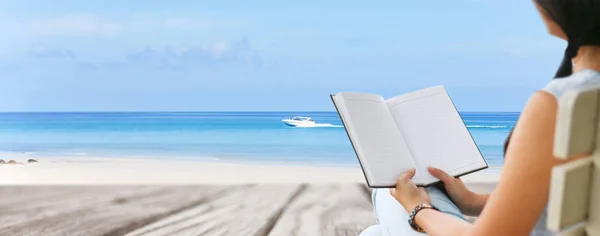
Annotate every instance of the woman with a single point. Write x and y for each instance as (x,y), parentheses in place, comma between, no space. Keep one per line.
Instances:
(521,195)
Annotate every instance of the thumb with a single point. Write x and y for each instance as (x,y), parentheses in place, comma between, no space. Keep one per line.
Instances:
(406,176)
(440,174)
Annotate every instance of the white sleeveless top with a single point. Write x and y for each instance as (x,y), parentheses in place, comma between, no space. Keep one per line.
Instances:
(577,80)
(558,87)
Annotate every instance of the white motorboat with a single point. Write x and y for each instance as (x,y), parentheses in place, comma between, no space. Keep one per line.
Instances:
(299,121)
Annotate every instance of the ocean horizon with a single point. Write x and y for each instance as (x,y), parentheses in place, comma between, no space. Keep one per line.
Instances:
(220,136)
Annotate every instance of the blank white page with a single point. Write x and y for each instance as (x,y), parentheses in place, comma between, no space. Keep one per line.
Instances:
(435,133)
(380,147)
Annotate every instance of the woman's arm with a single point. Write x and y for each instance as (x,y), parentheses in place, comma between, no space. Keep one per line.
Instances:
(476,204)
(467,201)
(522,192)
(442,224)
(436,223)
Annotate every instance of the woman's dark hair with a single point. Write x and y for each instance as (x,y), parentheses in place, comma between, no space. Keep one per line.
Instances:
(580,21)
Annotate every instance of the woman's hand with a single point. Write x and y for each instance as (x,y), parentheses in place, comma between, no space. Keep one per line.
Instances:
(407,193)
(466,200)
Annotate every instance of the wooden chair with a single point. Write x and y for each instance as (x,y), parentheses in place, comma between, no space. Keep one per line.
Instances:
(574,201)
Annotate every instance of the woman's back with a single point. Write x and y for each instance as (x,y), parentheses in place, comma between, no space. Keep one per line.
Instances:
(557,88)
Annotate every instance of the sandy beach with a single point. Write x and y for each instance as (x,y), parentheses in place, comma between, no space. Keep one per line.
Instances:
(176,197)
(89,170)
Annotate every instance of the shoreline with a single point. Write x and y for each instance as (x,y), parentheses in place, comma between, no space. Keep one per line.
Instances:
(22,157)
(250,160)
(98,170)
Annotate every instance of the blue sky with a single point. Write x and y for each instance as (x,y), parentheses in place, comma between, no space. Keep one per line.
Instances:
(150,55)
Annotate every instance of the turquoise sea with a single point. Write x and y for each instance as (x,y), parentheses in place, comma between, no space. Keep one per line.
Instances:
(258,137)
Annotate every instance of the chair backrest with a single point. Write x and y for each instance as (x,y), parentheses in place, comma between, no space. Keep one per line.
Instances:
(574,201)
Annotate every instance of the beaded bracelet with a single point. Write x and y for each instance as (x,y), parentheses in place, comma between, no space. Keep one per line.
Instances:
(411,218)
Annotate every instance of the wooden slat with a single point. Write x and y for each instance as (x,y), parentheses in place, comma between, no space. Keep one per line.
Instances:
(111,212)
(576,124)
(20,212)
(576,230)
(593,224)
(250,211)
(11,196)
(569,194)
(327,210)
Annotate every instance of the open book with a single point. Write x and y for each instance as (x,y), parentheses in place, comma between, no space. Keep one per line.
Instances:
(416,129)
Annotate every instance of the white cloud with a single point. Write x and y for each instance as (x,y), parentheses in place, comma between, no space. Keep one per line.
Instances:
(220,49)
(219,52)
(187,23)
(52,53)
(82,24)
(151,23)
(74,25)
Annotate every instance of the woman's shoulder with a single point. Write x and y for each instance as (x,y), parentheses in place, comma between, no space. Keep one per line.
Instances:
(577,80)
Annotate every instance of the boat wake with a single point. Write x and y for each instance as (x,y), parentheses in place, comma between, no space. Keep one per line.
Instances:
(318,125)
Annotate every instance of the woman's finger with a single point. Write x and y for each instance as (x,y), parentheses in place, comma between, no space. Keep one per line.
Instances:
(440,174)
(407,176)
